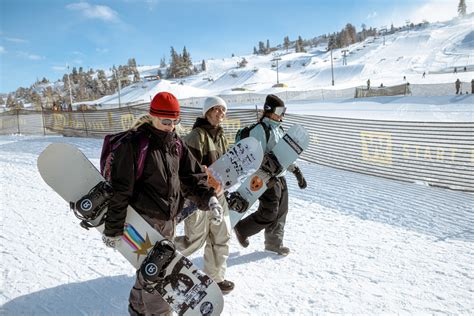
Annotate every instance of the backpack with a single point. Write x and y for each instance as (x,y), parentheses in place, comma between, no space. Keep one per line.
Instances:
(113,141)
(110,145)
(244,132)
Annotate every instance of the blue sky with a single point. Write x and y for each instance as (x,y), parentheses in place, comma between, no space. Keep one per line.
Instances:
(38,38)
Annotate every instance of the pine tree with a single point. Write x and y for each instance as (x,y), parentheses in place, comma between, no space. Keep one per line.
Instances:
(36,100)
(286,43)
(261,48)
(2,102)
(243,63)
(255,52)
(300,45)
(174,63)
(462,8)
(11,102)
(267,48)
(163,62)
(203,65)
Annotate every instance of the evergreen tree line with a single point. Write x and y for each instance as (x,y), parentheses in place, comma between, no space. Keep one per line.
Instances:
(78,85)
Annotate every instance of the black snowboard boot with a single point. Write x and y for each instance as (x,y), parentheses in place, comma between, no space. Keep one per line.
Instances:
(226,286)
(243,241)
(281,250)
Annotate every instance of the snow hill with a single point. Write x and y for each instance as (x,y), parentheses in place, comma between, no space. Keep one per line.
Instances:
(435,49)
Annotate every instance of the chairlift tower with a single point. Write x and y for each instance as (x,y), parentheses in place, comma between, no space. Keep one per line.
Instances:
(344,55)
(276,59)
(69,81)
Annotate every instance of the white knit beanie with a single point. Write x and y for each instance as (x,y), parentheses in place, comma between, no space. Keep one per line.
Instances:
(211,102)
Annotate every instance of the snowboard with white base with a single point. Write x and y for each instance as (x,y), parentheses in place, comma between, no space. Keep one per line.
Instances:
(285,152)
(187,290)
(229,171)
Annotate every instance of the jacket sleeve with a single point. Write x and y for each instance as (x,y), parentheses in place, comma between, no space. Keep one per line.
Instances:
(122,181)
(194,180)
(195,142)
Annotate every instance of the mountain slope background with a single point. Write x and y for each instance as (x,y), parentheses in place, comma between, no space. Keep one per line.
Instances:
(443,51)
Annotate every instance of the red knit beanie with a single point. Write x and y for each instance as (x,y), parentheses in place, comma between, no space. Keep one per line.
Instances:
(164,104)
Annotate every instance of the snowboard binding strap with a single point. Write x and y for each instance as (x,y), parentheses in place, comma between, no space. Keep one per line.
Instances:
(271,165)
(237,202)
(91,205)
(153,267)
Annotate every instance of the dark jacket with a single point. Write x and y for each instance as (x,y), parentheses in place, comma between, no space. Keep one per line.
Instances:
(168,168)
(206,142)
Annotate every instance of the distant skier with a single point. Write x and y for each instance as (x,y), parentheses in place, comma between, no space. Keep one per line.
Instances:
(457,83)
(472,86)
(424,74)
(404,78)
(368,84)
(455,70)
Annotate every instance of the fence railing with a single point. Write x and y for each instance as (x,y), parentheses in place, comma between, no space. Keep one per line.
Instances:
(436,153)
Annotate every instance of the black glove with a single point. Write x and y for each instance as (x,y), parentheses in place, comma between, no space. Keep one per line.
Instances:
(300,178)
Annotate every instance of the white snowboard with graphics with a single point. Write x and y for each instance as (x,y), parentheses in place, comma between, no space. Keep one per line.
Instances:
(187,289)
(230,170)
(288,149)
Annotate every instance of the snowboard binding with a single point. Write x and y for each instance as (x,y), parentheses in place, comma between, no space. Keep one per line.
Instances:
(91,205)
(271,165)
(153,267)
(237,202)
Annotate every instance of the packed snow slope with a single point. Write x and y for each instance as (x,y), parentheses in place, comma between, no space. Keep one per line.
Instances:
(435,49)
(359,245)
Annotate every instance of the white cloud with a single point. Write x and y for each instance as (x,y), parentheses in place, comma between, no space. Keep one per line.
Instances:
(15,40)
(100,12)
(372,15)
(30,56)
(2,50)
(434,11)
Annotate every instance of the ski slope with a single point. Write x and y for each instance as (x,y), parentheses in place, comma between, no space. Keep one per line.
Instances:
(435,49)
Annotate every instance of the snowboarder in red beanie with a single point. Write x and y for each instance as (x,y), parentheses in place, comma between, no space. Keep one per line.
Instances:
(164,104)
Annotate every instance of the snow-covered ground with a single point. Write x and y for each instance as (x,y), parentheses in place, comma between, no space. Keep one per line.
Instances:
(359,245)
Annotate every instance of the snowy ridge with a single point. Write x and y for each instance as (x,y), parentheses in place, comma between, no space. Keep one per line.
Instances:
(360,245)
(435,49)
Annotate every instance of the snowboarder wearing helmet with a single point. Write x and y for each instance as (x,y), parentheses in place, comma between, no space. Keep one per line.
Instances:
(273,206)
(169,166)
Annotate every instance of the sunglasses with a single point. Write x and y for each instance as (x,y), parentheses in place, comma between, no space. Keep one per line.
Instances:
(169,122)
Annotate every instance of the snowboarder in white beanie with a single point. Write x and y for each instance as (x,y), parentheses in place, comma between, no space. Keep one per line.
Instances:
(211,102)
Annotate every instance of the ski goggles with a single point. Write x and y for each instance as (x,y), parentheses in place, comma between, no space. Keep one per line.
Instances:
(169,122)
(279,110)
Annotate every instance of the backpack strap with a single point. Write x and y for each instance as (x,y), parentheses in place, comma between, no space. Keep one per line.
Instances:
(143,142)
(266,129)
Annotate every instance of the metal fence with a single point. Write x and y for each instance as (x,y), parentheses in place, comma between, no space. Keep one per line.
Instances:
(436,153)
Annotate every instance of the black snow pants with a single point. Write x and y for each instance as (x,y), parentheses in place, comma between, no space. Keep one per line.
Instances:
(271,215)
